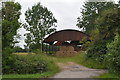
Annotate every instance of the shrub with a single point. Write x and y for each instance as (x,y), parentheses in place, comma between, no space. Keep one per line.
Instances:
(27,64)
(37,51)
(8,61)
(112,59)
(8,64)
(97,51)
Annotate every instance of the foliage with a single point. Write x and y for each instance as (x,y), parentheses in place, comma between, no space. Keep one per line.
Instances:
(107,26)
(97,51)
(113,55)
(28,64)
(41,22)
(101,22)
(8,62)
(53,68)
(108,23)
(10,25)
(90,11)
(85,43)
(50,68)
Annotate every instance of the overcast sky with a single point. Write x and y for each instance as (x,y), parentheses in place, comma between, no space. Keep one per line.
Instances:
(65,11)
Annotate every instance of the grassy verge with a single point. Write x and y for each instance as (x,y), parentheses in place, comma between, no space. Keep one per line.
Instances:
(43,75)
(108,75)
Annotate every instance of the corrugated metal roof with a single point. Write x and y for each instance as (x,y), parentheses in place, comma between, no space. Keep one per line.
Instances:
(66,35)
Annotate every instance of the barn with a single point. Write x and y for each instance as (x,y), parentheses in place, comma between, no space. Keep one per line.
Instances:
(68,39)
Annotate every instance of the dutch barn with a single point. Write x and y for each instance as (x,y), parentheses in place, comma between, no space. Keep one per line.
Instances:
(67,38)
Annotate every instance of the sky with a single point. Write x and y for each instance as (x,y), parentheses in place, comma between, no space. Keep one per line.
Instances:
(65,11)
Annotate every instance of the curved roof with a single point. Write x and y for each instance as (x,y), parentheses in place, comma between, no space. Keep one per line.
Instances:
(66,35)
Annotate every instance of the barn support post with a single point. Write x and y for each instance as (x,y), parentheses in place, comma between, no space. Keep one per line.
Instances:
(49,49)
(52,48)
(41,47)
(46,49)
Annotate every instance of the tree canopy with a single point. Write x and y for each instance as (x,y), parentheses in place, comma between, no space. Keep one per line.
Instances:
(40,23)
(10,24)
(90,11)
(101,20)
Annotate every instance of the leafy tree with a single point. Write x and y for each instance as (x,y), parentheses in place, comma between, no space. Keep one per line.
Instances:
(101,22)
(41,22)
(108,23)
(90,11)
(10,25)
(112,58)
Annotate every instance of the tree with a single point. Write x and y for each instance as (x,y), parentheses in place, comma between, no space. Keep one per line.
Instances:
(90,11)
(100,20)
(10,24)
(112,58)
(108,23)
(41,22)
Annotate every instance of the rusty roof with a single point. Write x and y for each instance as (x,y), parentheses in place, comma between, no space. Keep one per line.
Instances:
(65,35)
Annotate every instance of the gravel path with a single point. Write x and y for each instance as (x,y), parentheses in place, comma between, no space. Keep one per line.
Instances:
(73,70)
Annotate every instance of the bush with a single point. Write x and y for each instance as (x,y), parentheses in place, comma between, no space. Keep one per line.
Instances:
(112,59)
(8,60)
(28,64)
(97,51)
(37,51)
(8,64)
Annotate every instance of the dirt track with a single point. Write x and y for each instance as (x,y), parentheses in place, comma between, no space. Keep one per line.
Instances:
(73,70)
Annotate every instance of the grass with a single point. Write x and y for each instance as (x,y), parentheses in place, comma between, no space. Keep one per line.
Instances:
(24,75)
(43,75)
(108,75)
(53,68)
(79,59)
(24,53)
